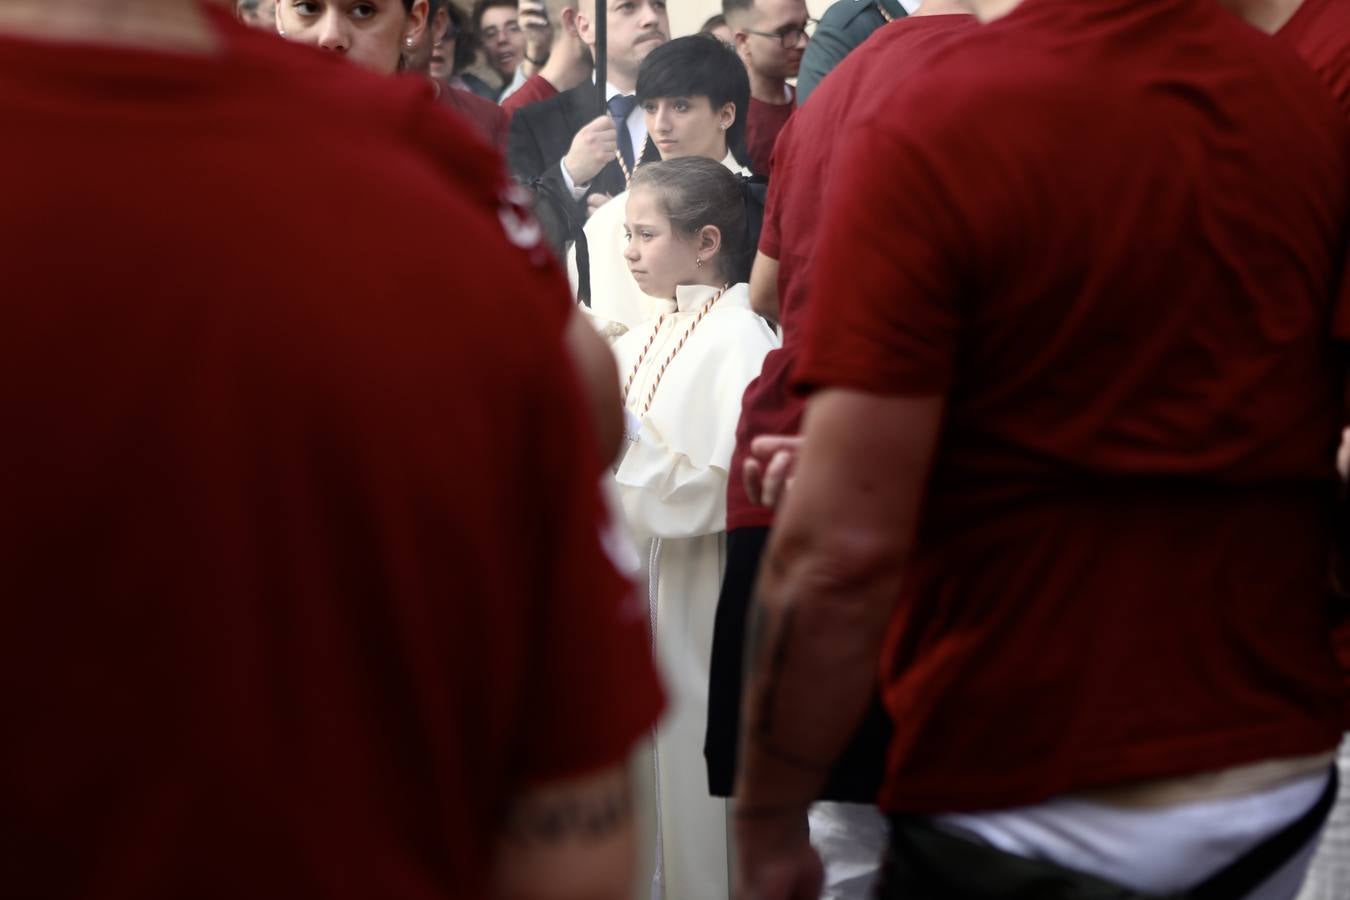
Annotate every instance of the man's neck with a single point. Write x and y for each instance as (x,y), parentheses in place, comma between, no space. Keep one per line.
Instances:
(772,91)
(626,82)
(942,8)
(1268,15)
(989,10)
(175,25)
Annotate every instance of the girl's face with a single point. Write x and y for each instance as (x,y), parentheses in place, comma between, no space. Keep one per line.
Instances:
(689,126)
(373,33)
(659,257)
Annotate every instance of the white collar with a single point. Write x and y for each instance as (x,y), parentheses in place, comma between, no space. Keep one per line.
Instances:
(910,6)
(736,168)
(692,296)
(610,90)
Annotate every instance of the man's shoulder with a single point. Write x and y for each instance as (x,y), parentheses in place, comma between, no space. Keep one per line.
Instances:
(848,15)
(566,104)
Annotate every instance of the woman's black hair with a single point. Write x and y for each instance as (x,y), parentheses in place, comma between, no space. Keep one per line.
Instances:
(699,66)
(695,191)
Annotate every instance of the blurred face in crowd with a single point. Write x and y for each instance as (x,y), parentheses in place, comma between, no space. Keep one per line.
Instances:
(443,39)
(766,55)
(659,257)
(688,126)
(635,28)
(503,39)
(372,33)
(257,13)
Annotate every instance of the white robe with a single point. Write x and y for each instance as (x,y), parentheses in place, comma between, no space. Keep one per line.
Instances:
(672,488)
(615,296)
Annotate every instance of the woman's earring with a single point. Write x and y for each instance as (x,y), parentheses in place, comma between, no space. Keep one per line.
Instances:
(698,261)
(409,42)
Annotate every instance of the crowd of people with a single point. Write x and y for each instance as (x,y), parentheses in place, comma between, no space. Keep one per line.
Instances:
(891,456)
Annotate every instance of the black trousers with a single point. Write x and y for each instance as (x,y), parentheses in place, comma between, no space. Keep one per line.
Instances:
(857,776)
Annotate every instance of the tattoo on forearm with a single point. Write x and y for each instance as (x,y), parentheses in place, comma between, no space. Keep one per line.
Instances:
(581,815)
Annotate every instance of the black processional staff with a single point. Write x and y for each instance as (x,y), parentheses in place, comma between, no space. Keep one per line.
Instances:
(601,44)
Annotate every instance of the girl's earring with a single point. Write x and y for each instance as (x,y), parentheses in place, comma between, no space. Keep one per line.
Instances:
(698,262)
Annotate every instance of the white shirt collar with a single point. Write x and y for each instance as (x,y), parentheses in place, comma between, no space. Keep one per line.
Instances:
(692,296)
(910,6)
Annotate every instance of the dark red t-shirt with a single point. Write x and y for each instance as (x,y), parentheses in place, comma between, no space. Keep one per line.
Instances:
(804,162)
(535,89)
(1320,32)
(299,554)
(491,122)
(1109,234)
(763,121)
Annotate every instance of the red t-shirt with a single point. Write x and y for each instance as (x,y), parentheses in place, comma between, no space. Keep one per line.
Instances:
(300,561)
(803,163)
(1117,262)
(487,118)
(535,89)
(763,121)
(1320,32)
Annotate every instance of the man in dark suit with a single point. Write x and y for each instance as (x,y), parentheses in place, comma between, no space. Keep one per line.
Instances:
(572,155)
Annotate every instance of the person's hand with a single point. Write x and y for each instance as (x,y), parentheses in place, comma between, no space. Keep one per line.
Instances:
(769,468)
(594,202)
(777,861)
(592,149)
(533,17)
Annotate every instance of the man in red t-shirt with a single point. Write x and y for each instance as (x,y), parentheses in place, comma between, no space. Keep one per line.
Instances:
(804,172)
(304,594)
(771,36)
(1066,467)
(1318,30)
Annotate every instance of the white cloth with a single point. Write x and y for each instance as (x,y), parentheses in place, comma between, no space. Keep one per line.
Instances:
(910,6)
(672,484)
(637,130)
(517,81)
(1154,850)
(615,296)
(851,840)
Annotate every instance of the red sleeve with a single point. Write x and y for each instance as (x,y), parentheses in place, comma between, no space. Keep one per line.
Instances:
(770,235)
(535,88)
(884,306)
(593,688)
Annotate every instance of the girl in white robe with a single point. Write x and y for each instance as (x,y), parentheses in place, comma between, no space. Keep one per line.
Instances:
(683,373)
(694,91)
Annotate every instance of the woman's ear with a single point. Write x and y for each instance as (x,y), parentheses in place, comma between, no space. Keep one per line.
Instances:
(417,23)
(709,241)
(726,116)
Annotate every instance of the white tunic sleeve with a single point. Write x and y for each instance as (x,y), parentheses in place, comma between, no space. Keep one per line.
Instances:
(672,482)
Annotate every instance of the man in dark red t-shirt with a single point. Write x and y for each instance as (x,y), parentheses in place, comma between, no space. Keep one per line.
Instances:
(1067,463)
(303,588)
(770,36)
(1319,31)
(803,174)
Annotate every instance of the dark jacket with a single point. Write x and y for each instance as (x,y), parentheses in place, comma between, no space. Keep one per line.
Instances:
(845,25)
(540,136)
